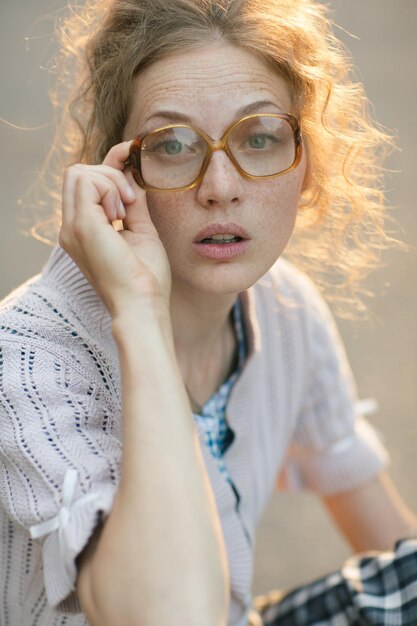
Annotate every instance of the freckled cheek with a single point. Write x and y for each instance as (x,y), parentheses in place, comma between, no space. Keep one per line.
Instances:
(168,216)
(283,210)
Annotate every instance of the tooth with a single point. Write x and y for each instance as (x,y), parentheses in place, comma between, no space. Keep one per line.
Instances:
(225,236)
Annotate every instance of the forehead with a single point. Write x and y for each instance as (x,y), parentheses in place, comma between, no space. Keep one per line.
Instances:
(209,85)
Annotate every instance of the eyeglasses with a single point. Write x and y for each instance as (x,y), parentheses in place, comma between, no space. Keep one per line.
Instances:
(176,157)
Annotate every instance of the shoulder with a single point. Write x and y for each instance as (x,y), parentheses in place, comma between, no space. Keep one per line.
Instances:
(48,315)
(32,315)
(293,291)
(25,314)
(291,302)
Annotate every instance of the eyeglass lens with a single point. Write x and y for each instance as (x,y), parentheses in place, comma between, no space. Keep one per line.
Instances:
(173,157)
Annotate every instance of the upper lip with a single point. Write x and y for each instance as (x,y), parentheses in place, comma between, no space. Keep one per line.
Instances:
(221,229)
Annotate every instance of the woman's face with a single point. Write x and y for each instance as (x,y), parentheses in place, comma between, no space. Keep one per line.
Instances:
(210,87)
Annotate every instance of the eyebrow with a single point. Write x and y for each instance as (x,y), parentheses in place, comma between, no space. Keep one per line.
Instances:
(247,109)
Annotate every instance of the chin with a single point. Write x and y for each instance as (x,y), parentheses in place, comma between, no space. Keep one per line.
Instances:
(226,280)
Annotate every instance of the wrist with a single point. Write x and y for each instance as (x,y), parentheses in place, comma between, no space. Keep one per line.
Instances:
(141,321)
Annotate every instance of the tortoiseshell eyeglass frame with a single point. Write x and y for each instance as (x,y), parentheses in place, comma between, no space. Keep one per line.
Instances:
(134,163)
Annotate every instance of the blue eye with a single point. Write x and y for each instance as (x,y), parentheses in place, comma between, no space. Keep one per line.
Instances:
(172,147)
(261,141)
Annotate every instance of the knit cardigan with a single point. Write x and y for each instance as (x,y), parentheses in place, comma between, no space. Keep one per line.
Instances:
(293,412)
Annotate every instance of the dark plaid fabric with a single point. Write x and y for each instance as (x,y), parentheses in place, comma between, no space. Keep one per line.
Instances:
(372,588)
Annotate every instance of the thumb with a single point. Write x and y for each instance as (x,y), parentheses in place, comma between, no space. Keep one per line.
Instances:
(138,219)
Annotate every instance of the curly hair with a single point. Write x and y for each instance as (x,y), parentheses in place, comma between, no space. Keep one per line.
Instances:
(342,218)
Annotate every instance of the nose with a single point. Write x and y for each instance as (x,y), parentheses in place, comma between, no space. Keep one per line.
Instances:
(222,185)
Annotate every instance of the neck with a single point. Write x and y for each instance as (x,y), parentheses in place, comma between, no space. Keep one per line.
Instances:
(203,335)
(198,319)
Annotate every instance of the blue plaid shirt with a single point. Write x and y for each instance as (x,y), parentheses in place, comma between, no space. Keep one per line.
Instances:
(212,417)
(371,589)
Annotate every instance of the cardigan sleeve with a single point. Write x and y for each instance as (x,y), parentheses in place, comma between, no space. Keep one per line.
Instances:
(59,459)
(333,447)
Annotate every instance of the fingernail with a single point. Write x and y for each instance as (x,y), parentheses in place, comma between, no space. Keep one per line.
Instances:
(130,192)
(122,210)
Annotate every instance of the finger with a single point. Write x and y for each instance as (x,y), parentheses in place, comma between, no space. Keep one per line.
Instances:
(100,186)
(97,203)
(68,190)
(117,155)
(112,205)
(113,189)
(106,186)
(126,191)
(137,217)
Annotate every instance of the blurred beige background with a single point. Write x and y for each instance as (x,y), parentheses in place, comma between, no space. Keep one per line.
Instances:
(295,540)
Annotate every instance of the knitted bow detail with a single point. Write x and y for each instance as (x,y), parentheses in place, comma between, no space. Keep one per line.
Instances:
(61,520)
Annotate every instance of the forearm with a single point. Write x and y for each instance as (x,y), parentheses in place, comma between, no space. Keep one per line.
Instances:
(373,516)
(161,551)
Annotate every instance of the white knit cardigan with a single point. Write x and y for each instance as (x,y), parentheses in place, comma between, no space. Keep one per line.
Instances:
(293,412)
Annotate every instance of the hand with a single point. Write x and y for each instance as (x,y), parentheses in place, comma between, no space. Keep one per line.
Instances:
(123,266)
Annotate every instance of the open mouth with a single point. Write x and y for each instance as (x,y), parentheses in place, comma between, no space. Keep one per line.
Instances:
(221,240)
(222,246)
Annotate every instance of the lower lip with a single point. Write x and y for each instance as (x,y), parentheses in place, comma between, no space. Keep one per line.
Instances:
(222,251)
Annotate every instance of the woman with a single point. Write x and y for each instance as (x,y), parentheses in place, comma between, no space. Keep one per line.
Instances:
(163,372)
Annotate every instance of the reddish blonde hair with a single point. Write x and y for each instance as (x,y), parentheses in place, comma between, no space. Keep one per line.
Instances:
(340,229)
